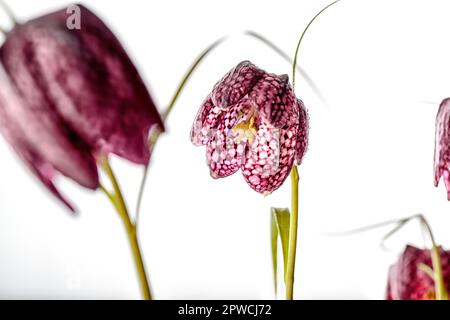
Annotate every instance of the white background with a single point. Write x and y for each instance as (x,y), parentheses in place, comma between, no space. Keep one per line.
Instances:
(370,157)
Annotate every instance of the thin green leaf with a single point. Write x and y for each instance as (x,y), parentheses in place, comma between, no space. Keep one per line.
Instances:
(188,74)
(366,228)
(397,228)
(154,138)
(280,222)
(274,242)
(294,66)
(426,269)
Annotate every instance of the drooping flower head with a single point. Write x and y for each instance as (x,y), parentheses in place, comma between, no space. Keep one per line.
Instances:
(252,121)
(409,281)
(442,146)
(70,97)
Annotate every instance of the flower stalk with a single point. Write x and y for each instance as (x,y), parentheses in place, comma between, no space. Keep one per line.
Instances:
(118,202)
(292,251)
(293,233)
(294,65)
(9,13)
(438,276)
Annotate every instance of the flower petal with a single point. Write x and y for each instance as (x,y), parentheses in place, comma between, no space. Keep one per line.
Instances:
(223,157)
(405,283)
(269,161)
(442,145)
(40,138)
(205,123)
(88,78)
(275,100)
(45,172)
(389,290)
(225,150)
(236,84)
(302,133)
(408,282)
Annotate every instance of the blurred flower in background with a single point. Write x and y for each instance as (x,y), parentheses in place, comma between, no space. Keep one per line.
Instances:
(68,98)
(412,277)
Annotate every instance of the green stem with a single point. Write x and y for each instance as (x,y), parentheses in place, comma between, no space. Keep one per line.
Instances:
(118,202)
(154,139)
(8,12)
(292,251)
(188,75)
(439,284)
(286,57)
(294,65)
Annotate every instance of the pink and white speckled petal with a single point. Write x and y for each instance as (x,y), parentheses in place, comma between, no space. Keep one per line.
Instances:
(269,160)
(236,84)
(258,126)
(275,100)
(442,146)
(205,123)
(224,151)
(224,157)
(302,134)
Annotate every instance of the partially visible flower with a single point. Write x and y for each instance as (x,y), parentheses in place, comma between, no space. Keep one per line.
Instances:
(442,146)
(252,121)
(407,279)
(71,97)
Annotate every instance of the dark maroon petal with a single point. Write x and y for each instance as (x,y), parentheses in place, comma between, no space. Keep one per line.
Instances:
(389,290)
(45,172)
(302,133)
(405,280)
(41,140)
(442,146)
(408,282)
(236,84)
(87,78)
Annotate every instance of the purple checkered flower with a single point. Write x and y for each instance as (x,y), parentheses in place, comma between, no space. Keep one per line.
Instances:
(252,121)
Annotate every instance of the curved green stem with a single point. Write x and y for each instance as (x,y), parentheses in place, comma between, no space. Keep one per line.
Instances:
(8,12)
(118,202)
(286,57)
(154,138)
(301,39)
(439,284)
(188,74)
(151,144)
(292,251)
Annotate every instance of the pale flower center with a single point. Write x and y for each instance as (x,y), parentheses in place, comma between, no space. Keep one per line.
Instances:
(246,129)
